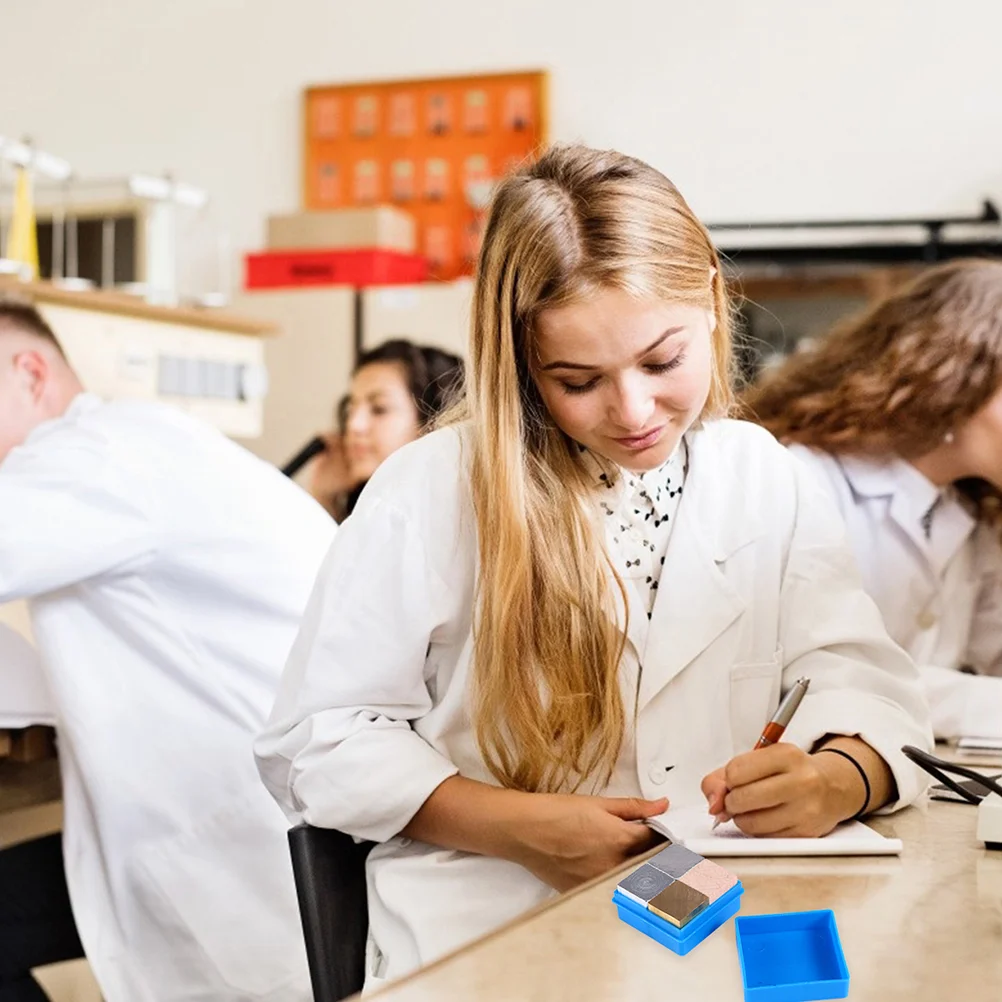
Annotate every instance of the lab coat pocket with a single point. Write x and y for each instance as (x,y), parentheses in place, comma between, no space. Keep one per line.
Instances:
(755,690)
(225,889)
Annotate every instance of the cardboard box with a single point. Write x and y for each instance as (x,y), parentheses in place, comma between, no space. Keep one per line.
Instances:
(381,228)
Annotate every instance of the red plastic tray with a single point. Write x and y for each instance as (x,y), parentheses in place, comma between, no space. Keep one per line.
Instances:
(284,269)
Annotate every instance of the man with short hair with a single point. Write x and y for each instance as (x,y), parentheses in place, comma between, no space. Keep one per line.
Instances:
(167,570)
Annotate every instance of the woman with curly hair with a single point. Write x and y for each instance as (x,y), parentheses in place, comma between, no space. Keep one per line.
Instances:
(900,409)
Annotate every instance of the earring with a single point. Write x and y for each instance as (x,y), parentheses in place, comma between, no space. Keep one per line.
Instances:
(948,438)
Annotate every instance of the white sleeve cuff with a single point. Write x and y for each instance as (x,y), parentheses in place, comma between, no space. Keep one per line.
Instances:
(370,786)
(884,726)
(963,705)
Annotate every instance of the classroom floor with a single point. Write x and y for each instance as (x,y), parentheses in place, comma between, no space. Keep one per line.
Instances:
(30,808)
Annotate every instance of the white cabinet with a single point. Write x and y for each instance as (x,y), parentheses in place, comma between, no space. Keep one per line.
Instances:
(436,313)
(214,375)
(309,364)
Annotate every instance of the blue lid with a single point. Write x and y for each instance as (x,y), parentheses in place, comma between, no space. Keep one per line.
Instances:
(793,957)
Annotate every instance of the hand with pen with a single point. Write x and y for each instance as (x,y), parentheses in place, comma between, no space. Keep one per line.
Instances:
(779,790)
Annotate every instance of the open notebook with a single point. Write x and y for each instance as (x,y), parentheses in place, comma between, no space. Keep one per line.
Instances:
(692,827)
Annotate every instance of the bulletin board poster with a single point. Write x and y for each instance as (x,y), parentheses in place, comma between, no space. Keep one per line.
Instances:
(431,147)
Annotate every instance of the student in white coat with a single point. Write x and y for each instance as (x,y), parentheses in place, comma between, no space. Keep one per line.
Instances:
(167,571)
(899,410)
(542,623)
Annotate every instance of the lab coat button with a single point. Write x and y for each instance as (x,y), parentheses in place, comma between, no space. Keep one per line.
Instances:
(927,620)
(659,773)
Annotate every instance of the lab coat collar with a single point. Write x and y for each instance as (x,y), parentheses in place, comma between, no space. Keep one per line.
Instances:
(912,495)
(82,403)
(885,477)
(695,601)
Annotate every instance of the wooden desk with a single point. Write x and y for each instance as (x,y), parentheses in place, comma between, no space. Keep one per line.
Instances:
(925,927)
(28,784)
(28,700)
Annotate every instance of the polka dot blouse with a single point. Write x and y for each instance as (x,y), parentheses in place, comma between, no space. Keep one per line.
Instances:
(639,512)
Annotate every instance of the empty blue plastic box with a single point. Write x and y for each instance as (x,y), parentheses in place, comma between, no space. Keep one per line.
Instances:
(680,941)
(795,957)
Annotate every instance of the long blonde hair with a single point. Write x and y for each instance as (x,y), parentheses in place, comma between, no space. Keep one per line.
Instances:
(547,708)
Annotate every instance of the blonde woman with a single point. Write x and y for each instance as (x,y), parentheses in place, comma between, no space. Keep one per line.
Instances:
(900,412)
(584,599)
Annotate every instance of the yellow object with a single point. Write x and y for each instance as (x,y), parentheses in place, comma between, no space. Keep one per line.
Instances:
(22,241)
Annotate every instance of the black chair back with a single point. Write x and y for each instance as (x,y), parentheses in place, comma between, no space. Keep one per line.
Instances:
(329,868)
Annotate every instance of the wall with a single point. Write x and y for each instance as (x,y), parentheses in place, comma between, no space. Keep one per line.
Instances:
(759,109)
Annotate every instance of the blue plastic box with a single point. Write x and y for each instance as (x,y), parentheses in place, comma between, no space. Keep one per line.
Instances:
(679,941)
(795,957)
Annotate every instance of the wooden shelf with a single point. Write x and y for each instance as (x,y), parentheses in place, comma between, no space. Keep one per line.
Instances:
(103,301)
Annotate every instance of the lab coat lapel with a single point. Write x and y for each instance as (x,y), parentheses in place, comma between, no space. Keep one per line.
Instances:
(907,516)
(951,529)
(907,502)
(695,601)
(951,526)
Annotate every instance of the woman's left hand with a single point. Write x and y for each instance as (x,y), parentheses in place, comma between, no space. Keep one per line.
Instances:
(781,791)
(329,472)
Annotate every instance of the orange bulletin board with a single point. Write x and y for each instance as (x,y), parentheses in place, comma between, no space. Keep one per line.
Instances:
(431,147)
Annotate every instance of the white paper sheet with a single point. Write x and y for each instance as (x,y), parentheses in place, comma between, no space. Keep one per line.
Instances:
(692,827)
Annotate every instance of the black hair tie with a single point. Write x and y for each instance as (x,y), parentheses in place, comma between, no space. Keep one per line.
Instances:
(862,773)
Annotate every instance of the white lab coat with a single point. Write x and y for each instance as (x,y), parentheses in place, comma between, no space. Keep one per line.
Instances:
(167,570)
(758,588)
(941,596)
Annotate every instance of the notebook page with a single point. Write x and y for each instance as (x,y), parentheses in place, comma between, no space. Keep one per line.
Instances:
(692,827)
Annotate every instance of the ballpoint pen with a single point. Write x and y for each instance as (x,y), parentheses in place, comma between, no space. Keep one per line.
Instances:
(780,720)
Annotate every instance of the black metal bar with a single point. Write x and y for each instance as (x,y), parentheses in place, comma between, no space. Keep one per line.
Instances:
(860,253)
(989,214)
(312,448)
(358,324)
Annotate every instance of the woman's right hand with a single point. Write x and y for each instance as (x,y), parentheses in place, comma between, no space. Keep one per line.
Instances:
(566,839)
(329,472)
